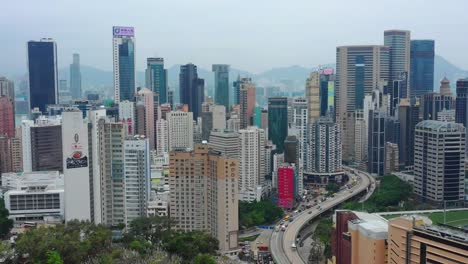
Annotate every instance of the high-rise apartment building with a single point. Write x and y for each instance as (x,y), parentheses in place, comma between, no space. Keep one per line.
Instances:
(136,173)
(43,75)
(422,67)
(322,153)
(251,163)
(75,77)
(156,78)
(180,130)
(7,88)
(162,136)
(246,102)
(146,97)
(359,70)
(278,121)
(127,116)
(439,162)
(192,89)
(42,144)
(7,117)
(204,194)
(76,163)
(124,63)
(313,96)
(392,163)
(399,43)
(221,79)
(286,186)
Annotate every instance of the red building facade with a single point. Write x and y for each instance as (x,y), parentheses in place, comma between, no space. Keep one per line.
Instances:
(286,187)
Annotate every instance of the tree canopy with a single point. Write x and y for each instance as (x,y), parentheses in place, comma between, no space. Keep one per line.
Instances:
(5,223)
(258,213)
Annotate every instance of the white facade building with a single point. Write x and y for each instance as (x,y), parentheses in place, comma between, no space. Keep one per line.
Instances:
(251,162)
(127,116)
(180,127)
(162,136)
(76,165)
(34,196)
(219,117)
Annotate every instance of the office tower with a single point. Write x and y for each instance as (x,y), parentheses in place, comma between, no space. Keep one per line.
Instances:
(7,117)
(327,92)
(411,240)
(197,131)
(76,164)
(156,78)
(225,142)
(446,115)
(42,144)
(313,96)
(433,103)
(399,43)
(246,102)
(192,89)
(146,97)
(136,173)
(376,136)
(322,156)
(162,136)
(170,99)
(140,116)
(221,79)
(207,124)
(264,120)
(251,163)
(75,77)
(422,67)
(127,116)
(291,150)
(180,127)
(286,186)
(408,115)
(445,87)
(360,138)
(278,121)
(439,162)
(359,70)
(124,63)
(398,89)
(43,76)
(392,163)
(237,84)
(204,194)
(7,89)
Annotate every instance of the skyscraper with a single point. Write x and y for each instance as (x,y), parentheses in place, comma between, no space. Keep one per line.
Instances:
(445,87)
(461,107)
(204,194)
(313,96)
(278,121)
(422,67)
(162,136)
(225,142)
(399,43)
(433,103)
(327,92)
(43,76)
(247,102)
(156,78)
(236,84)
(192,89)
(408,115)
(359,70)
(376,142)
(7,117)
(439,162)
(221,72)
(75,77)
(7,89)
(146,97)
(124,63)
(287,186)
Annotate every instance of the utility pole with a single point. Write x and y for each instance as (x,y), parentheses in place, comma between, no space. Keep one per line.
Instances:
(445,212)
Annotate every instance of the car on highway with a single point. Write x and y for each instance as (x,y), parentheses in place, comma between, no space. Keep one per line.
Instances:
(310,212)
(293,246)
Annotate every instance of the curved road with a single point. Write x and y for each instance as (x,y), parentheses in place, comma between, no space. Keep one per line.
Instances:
(281,242)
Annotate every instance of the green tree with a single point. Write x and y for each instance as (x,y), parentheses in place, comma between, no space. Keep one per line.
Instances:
(204,259)
(189,245)
(5,223)
(152,229)
(332,188)
(53,257)
(6,251)
(258,213)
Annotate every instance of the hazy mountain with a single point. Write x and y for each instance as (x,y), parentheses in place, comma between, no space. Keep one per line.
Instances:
(293,76)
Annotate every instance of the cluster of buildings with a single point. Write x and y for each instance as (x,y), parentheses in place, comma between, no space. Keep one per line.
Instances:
(194,158)
(369,238)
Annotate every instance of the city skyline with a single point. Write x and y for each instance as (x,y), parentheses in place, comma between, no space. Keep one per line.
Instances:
(220,42)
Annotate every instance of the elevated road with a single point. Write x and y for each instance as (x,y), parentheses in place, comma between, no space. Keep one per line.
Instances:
(281,242)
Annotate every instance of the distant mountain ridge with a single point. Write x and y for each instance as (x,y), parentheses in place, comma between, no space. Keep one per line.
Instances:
(294,76)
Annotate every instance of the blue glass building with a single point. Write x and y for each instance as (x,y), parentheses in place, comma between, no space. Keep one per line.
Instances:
(42,67)
(422,67)
(192,89)
(156,78)
(278,121)
(124,63)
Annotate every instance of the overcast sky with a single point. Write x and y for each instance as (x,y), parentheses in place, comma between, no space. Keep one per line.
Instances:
(253,35)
